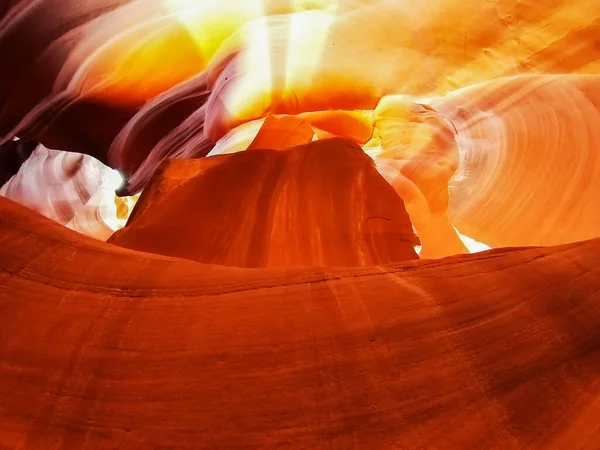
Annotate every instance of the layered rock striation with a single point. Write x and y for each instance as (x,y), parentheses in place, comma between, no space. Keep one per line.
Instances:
(318,204)
(102,346)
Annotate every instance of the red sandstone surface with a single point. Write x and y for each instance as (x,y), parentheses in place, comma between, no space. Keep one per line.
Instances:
(267,290)
(105,347)
(320,204)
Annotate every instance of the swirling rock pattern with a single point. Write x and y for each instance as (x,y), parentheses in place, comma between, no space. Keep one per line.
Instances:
(72,189)
(520,155)
(351,57)
(529,159)
(93,66)
(483,116)
(105,347)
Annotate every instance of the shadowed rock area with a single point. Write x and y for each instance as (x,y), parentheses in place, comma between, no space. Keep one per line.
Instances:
(323,203)
(105,347)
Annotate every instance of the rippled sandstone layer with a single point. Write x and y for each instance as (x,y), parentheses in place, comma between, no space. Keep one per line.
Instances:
(75,190)
(107,347)
(530,160)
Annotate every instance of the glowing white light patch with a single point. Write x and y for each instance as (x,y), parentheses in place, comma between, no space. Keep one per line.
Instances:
(472,245)
(115,179)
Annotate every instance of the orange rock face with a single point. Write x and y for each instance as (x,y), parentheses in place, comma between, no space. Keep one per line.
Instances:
(312,176)
(320,204)
(103,346)
(529,162)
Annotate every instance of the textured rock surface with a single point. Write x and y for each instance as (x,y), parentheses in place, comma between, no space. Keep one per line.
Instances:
(104,347)
(530,159)
(73,189)
(93,66)
(483,116)
(318,204)
(350,57)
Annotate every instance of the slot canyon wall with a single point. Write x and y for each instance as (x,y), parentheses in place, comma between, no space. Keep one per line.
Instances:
(299,224)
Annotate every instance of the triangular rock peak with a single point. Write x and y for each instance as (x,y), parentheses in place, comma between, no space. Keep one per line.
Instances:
(323,203)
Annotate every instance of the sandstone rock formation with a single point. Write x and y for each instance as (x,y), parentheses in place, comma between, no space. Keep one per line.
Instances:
(104,347)
(529,161)
(73,189)
(320,204)
(513,160)
(267,290)
(95,66)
